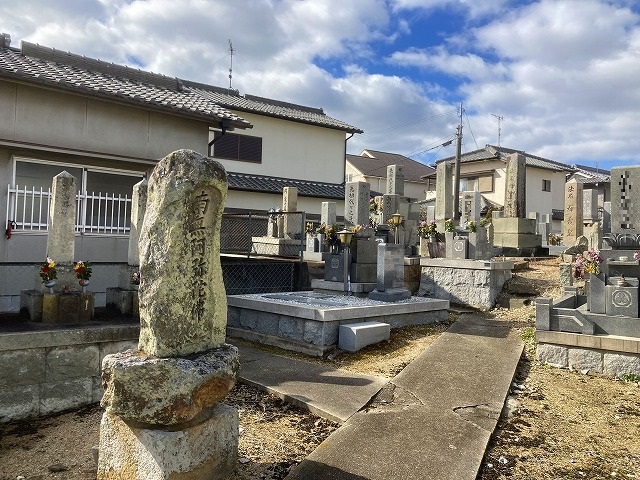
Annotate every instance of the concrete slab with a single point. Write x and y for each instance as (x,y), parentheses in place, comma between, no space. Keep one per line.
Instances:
(329,393)
(355,336)
(441,411)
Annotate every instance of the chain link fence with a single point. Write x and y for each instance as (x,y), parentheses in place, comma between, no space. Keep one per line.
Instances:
(276,234)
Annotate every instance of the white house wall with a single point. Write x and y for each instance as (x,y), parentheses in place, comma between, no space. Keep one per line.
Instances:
(260,202)
(293,150)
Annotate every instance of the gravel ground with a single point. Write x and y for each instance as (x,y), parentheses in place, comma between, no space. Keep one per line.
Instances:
(562,425)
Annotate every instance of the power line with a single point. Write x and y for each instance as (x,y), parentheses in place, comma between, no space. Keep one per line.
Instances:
(470,131)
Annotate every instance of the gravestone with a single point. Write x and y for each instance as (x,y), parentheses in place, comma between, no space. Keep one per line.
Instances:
(272,223)
(589,204)
(395,180)
(62,219)
(444,192)
(390,274)
(471,206)
(124,297)
(163,417)
(328,213)
(606,217)
(356,203)
(292,223)
(459,248)
(573,225)
(515,188)
(431,212)
(390,206)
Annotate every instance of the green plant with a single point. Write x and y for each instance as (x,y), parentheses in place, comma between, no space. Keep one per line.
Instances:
(630,377)
(449,226)
(528,334)
(427,229)
(331,234)
(472,226)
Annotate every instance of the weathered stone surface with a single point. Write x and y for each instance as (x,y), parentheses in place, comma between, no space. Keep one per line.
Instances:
(19,402)
(138,207)
(167,391)
(515,188)
(395,180)
(22,367)
(183,304)
(444,191)
(356,203)
(573,222)
(619,364)
(205,450)
(585,358)
(64,363)
(62,219)
(554,355)
(65,394)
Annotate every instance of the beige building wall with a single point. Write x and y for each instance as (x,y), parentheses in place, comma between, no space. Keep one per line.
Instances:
(293,150)
(264,201)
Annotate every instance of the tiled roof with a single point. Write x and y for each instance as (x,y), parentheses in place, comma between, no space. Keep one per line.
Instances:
(266,184)
(491,152)
(377,166)
(265,106)
(585,174)
(87,76)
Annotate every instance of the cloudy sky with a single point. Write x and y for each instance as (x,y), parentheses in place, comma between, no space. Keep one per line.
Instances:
(562,75)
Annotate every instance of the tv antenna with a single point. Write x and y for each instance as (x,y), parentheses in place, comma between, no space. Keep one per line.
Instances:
(231,64)
(500,119)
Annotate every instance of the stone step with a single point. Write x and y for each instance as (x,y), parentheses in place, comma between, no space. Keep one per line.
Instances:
(354,336)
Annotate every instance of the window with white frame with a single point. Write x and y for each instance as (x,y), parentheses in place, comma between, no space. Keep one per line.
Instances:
(103,198)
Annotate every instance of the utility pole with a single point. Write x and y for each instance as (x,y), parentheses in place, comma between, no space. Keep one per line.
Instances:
(456,175)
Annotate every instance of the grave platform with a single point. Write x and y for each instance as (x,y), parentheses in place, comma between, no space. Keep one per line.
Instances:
(309,322)
(55,308)
(282,247)
(475,283)
(123,301)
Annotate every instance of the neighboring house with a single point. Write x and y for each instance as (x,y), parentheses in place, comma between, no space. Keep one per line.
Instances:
(595,179)
(371,166)
(108,124)
(484,170)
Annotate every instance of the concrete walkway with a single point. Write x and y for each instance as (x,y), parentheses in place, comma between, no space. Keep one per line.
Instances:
(432,421)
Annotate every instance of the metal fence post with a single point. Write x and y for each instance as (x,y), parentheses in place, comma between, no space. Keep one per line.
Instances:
(302,232)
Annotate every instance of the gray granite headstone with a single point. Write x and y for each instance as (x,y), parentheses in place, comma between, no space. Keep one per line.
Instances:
(471,205)
(390,274)
(444,191)
(573,226)
(431,213)
(622,300)
(589,204)
(183,304)
(138,207)
(390,206)
(395,180)
(515,188)
(356,203)
(62,219)
(292,223)
(328,213)
(459,250)
(606,217)
(596,293)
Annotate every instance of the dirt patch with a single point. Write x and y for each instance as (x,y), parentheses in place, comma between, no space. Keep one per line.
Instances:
(563,425)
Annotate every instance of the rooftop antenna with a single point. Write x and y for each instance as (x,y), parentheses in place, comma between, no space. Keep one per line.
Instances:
(500,119)
(231,64)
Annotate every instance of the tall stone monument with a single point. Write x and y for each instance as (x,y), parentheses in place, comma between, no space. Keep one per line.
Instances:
(124,297)
(573,222)
(444,193)
(328,213)
(292,223)
(514,233)
(395,180)
(356,203)
(163,417)
(62,219)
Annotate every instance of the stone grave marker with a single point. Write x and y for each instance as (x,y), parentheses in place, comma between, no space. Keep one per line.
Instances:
(138,207)
(328,213)
(292,223)
(390,274)
(606,217)
(395,180)
(444,191)
(62,219)
(471,206)
(163,417)
(573,226)
(515,188)
(589,204)
(356,203)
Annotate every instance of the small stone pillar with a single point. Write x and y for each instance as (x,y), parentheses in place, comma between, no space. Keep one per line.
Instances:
(163,418)
(356,203)
(328,213)
(573,222)
(292,223)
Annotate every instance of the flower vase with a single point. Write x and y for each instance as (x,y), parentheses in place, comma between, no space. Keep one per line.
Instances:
(50,284)
(83,283)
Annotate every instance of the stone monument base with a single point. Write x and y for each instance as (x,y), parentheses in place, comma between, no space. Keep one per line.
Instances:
(281,247)
(516,236)
(124,301)
(72,307)
(206,449)
(390,294)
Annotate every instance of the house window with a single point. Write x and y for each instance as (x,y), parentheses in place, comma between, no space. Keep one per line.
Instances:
(233,146)
(479,183)
(104,196)
(546,185)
